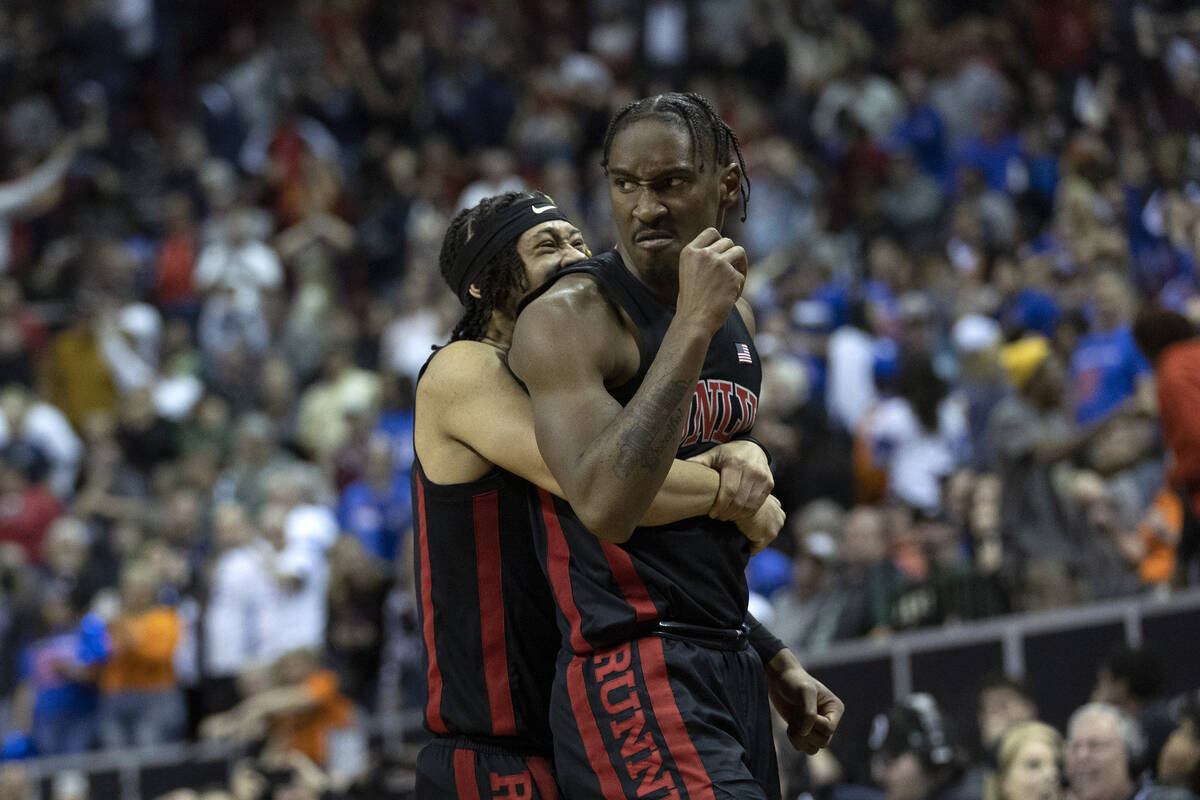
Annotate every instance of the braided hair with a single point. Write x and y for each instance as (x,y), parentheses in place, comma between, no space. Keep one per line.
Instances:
(502,278)
(698,118)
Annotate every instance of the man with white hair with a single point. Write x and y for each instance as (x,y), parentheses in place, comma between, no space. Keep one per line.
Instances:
(23,416)
(1104,753)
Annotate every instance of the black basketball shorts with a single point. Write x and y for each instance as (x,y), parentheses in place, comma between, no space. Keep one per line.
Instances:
(461,769)
(663,718)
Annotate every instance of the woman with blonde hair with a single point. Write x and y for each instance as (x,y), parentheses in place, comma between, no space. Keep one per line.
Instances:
(1028,765)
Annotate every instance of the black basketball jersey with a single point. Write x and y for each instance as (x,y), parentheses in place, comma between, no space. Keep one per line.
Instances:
(485,612)
(691,571)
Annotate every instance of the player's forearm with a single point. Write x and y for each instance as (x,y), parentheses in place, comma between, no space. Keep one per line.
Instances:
(619,474)
(769,648)
(689,491)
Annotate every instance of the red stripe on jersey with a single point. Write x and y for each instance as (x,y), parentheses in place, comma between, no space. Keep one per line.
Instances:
(464,775)
(558,567)
(543,778)
(589,731)
(630,582)
(491,612)
(662,700)
(433,705)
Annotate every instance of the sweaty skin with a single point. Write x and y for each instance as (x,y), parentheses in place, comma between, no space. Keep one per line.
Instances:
(571,344)
(483,419)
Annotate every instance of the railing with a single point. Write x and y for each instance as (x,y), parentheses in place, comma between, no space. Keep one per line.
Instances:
(148,772)
(136,773)
(1055,651)
(1009,630)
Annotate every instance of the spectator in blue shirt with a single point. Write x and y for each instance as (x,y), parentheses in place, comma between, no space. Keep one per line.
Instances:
(922,130)
(1107,369)
(995,150)
(377,508)
(60,672)
(1025,307)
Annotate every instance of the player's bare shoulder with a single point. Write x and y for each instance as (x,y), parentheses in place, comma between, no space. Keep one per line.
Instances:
(570,324)
(461,368)
(573,294)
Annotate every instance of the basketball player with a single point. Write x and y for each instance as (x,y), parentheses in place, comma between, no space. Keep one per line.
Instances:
(485,610)
(632,359)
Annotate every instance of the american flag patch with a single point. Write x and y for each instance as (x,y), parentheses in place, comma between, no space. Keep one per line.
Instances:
(743,353)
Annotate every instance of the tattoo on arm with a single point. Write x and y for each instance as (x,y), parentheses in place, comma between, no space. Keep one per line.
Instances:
(651,432)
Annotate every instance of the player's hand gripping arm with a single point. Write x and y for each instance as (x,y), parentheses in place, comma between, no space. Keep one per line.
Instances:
(746,478)
(611,460)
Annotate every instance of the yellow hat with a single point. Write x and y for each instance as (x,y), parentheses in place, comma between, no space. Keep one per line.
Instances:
(1022,358)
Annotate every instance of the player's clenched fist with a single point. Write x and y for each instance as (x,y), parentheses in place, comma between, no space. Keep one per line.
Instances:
(712,271)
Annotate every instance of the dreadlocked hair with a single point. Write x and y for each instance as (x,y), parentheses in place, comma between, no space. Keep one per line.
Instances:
(698,117)
(502,277)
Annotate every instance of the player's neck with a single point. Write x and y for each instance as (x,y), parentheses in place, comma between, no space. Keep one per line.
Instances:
(499,331)
(663,281)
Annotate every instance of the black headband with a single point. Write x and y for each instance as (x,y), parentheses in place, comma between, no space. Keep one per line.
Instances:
(495,233)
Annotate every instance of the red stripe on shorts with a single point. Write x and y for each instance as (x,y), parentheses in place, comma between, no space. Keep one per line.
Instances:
(558,567)
(589,731)
(630,582)
(543,778)
(662,700)
(491,612)
(464,775)
(433,705)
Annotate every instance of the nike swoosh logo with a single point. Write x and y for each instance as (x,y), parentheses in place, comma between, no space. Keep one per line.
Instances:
(541,209)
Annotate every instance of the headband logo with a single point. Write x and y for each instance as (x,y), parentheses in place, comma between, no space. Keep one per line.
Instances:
(498,230)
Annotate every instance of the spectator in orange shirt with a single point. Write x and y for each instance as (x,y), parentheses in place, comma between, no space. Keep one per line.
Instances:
(1169,342)
(1158,536)
(140,702)
(299,713)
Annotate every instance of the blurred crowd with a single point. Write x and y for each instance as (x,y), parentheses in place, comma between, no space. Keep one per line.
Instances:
(218,233)
(1128,740)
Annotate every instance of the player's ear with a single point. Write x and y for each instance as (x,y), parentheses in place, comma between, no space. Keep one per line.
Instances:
(730,181)
(474,292)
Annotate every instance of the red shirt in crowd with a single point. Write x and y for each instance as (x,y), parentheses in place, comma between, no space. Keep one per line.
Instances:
(1178,382)
(24,517)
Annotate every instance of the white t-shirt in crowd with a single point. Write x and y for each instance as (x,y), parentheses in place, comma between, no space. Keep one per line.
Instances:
(237,600)
(47,428)
(850,387)
(915,459)
(295,618)
(247,269)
